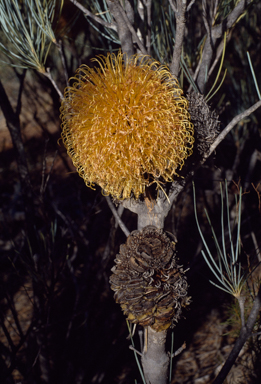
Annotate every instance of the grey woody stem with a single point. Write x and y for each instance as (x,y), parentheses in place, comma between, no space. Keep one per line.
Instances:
(180,11)
(155,361)
(150,212)
(124,33)
(151,219)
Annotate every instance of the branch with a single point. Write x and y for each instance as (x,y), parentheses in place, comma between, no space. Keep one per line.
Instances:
(179,9)
(155,361)
(190,5)
(216,33)
(49,76)
(117,217)
(124,33)
(13,125)
(231,125)
(21,78)
(94,17)
(179,185)
(245,333)
(126,20)
(148,37)
(149,212)
(63,60)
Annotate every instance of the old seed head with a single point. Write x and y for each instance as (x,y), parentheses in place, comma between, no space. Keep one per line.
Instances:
(148,283)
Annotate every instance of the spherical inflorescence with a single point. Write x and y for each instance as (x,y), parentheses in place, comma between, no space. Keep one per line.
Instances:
(149,284)
(125,124)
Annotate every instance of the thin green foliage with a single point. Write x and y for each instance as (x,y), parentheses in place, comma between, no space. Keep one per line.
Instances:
(163,41)
(253,75)
(28,30)
(187,73)
(224,8)
(162,32)
(227,269)
(219,86)
(162,35)
(209,95)
(105,15)
(135,353)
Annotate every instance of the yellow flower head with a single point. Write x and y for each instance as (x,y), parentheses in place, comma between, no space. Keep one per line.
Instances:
(125,124)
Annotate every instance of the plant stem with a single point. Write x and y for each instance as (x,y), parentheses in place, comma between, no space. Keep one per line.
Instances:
(180,30)
(117,217)
(231,125)
(241,301)
(13,124)
(123,31)
(155,361)
(245,333)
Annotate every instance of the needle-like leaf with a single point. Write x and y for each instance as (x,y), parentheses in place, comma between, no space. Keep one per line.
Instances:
(227,269)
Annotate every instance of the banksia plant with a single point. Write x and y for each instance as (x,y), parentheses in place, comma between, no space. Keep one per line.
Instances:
(149,284)
(126,125)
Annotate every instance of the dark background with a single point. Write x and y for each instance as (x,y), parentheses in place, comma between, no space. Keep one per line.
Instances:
(59,322)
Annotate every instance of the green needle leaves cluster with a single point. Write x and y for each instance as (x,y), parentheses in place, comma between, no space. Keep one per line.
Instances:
(27,26)
(226,267)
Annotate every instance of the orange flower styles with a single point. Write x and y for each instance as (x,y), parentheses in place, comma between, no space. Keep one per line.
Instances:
(125,124)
